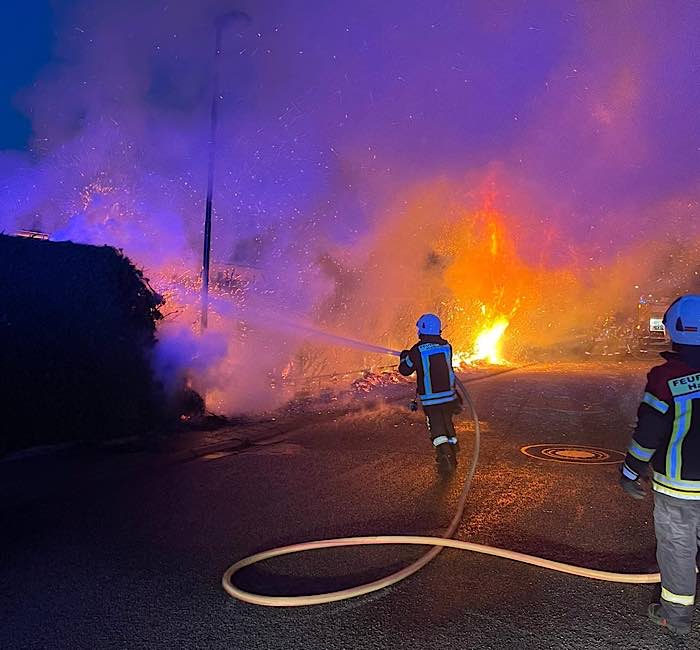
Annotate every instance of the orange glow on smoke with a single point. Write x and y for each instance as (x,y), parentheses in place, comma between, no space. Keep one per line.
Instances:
(494,244)
(495,300)
(486,272)
(487,281)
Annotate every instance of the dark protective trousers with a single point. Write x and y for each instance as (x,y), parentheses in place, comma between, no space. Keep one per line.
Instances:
(440,425)
(677,525)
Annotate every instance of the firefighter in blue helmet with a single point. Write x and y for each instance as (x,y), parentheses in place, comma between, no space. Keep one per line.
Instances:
(431,360)
(667,436)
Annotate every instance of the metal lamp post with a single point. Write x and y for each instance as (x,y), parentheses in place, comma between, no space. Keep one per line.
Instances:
(221,22)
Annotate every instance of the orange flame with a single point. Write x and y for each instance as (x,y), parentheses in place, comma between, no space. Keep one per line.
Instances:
(487,345)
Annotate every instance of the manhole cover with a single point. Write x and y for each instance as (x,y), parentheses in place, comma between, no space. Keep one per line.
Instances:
(574,454)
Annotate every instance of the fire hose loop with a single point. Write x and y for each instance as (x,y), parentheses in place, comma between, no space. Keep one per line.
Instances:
(437,543)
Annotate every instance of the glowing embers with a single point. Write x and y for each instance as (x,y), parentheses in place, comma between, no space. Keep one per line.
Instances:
(581,454)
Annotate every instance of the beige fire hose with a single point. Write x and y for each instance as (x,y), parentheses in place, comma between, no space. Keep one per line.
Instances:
(438,543)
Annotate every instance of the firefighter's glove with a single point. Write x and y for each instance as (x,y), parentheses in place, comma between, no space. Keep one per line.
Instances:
(404,355)
(633,488)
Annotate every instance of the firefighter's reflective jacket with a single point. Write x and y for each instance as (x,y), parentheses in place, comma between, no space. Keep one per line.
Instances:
(668,428)
(431,359)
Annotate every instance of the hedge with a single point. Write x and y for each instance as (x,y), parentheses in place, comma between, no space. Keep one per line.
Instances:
(77,328)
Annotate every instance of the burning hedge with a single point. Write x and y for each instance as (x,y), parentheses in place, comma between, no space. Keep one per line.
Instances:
(77,327)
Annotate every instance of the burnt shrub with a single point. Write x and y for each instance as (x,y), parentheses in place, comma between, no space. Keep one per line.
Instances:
(77,329)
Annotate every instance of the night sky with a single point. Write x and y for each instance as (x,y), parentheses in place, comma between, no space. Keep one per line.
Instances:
(26,41)
(585,111)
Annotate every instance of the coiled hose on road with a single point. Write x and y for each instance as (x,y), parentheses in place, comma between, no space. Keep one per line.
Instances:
(438,543)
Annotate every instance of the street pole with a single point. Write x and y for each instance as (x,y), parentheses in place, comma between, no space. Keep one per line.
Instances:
(221,22)
(206,255)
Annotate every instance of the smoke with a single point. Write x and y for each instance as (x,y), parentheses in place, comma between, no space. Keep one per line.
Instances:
(374,161)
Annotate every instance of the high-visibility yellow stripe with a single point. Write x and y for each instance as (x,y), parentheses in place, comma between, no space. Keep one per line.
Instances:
(688,420)
(686,486)
(655,402)
(681,426)
(640,453)
(688,496)
(670,597)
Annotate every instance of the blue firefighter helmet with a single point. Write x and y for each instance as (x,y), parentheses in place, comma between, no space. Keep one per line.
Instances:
(682,320)
(429,324)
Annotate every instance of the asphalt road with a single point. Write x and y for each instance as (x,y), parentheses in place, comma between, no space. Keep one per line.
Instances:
(127,550)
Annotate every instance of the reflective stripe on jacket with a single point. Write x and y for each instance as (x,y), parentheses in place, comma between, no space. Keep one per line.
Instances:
(667,434)
(431,360)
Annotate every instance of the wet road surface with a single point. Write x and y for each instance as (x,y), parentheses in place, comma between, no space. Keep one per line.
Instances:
(128,552)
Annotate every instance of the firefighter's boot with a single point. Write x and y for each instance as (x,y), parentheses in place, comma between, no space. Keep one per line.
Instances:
(656,614)
(444,456)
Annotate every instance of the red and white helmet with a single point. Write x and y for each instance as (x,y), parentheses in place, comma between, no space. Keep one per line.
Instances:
(682,320)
